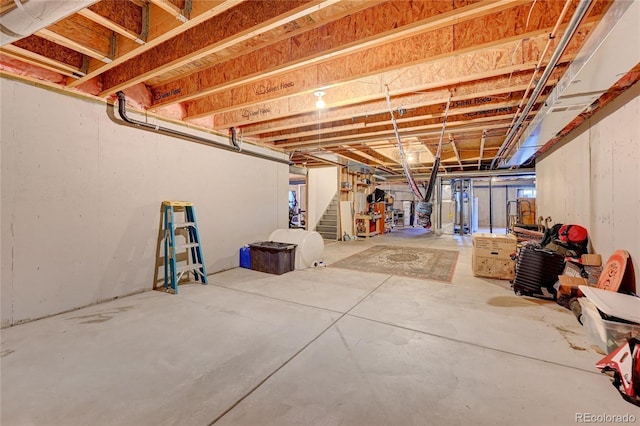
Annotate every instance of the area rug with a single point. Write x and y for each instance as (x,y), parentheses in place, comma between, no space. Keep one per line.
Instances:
(425,263)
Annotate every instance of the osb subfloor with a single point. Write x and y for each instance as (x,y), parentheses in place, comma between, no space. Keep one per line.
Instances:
(322,346)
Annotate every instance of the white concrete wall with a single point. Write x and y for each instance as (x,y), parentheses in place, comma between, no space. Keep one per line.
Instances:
(563,182)
(322,185)
(302,197)
(501,194)
(593,178)
(81,202)
(499,199)
(5,303)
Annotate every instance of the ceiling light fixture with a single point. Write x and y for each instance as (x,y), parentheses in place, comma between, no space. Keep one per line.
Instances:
(320,102)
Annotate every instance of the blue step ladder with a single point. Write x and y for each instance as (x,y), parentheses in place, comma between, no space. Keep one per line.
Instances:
(195,263)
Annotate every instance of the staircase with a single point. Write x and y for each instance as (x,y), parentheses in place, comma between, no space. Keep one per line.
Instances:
(328,224)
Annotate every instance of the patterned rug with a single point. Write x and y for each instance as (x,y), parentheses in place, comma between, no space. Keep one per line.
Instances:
(431,264)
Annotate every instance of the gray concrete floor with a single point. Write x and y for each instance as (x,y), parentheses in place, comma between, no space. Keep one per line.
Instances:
(322,346)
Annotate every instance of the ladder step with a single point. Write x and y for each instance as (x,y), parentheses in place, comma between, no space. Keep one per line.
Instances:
(187,246)
(183,224)
(189,267)
(178,203)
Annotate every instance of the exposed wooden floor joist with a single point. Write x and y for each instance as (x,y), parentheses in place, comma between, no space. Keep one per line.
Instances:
(254,65)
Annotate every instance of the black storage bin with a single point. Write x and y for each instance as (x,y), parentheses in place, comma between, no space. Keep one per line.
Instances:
(273,257)
(537,269)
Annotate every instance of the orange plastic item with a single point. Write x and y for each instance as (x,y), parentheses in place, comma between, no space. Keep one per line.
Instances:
(613,271)
(611,278)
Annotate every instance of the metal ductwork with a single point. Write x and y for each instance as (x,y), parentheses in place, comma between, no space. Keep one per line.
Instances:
(29,16)
(610,52)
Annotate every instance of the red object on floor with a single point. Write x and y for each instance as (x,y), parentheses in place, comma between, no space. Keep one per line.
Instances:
(624,363)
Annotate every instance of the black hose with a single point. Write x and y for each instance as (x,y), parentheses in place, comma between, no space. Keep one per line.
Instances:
(234,137)
(432,179)
(187,136)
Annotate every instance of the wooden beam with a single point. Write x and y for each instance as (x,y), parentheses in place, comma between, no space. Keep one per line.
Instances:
(455,150)
(431,129)
(501,85)
(363,153)
(160,31)
(441,99)
(107,23)
(348,155)
(278,48)
(84,32)
(477,106)
(32,58)
(318,159)
(126,14)
(379,156)
(72,44)
(51,50)
(7,5)
(385,151)
(233,26)
(346,85)
(378,25)
(271,39)
(171,9)
(385,144)
(310,131)
(430,147)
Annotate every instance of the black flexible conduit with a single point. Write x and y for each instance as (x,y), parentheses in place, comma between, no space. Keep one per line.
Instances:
(436,162)
(122,111)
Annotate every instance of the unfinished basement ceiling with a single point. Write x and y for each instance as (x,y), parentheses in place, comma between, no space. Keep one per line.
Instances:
(255,65)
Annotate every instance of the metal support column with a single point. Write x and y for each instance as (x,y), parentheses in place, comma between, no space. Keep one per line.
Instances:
(491,205)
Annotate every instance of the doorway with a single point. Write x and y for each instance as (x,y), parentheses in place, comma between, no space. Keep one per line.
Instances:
(297,201)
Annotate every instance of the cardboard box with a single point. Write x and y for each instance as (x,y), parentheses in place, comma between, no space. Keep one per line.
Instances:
(501,269)
(494,245)
(568,289)
(591,259)
(491,256)
(566,280)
